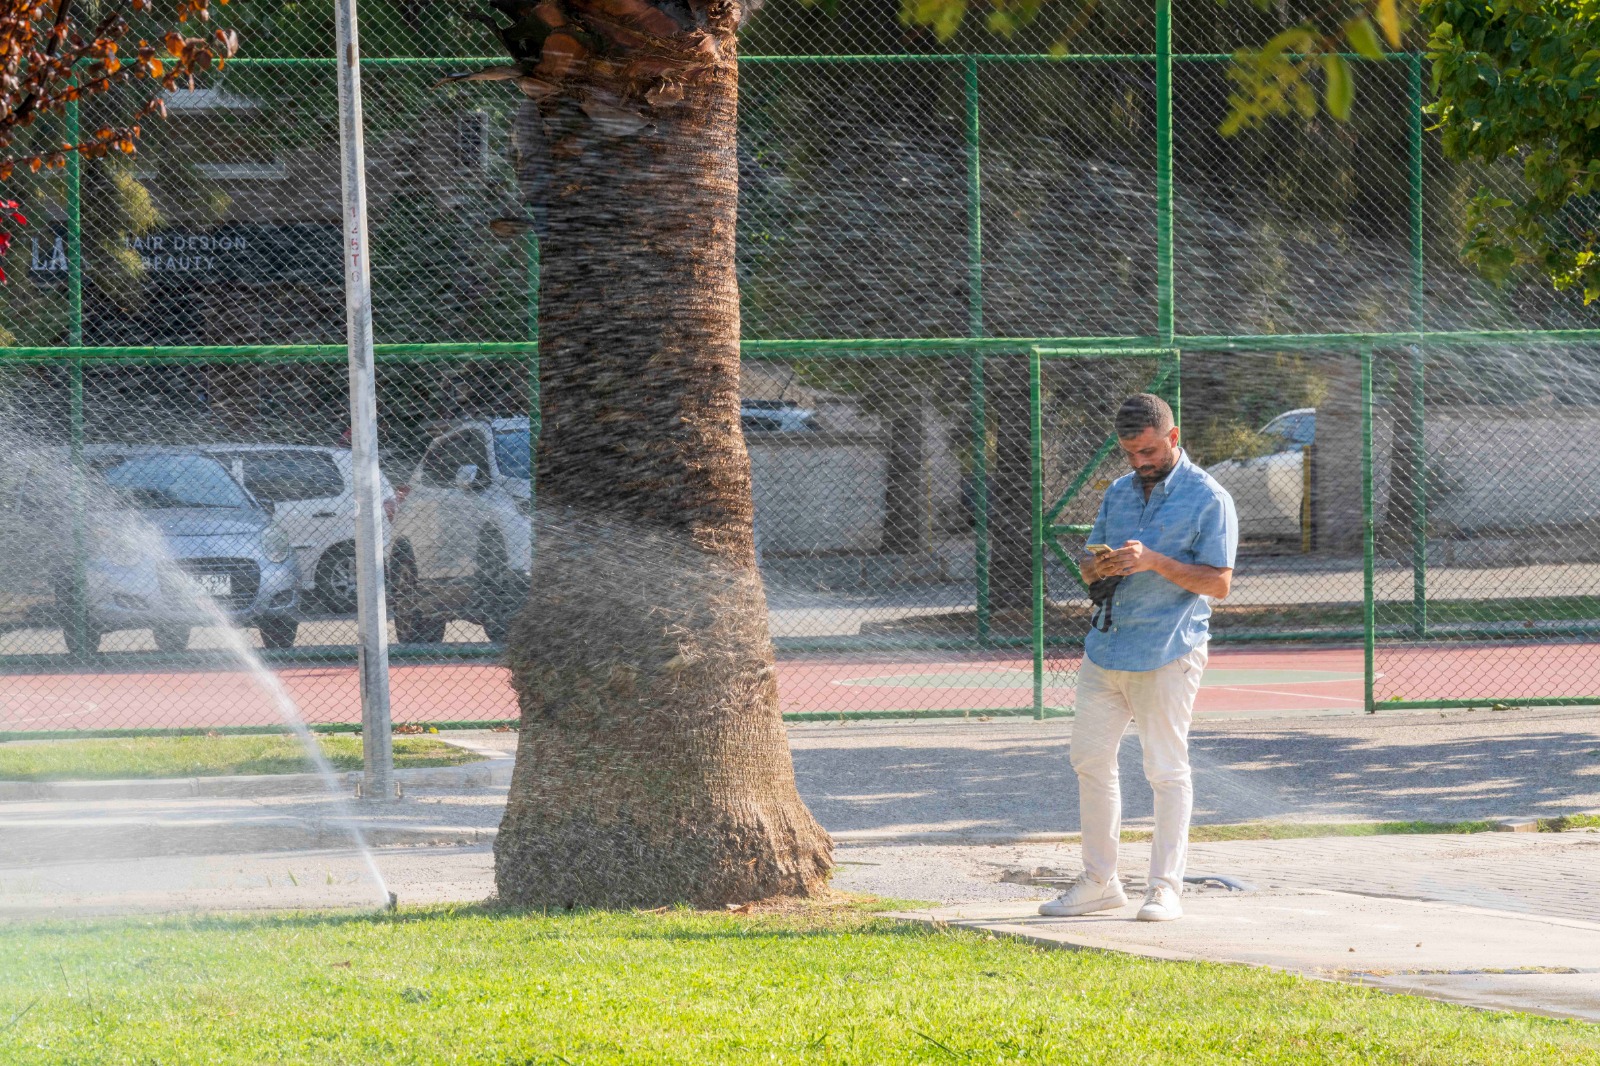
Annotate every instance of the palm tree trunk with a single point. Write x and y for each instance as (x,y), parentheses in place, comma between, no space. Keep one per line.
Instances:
(652,763)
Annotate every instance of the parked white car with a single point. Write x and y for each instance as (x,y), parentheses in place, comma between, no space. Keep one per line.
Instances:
(310,491)
(1269,490)
(462,541)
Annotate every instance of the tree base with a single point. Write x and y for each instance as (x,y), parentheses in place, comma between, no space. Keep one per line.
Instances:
(575,862)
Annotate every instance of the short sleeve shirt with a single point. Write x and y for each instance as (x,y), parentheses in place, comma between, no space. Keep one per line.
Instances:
(1188,517)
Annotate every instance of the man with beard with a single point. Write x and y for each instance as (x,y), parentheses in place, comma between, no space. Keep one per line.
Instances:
(1173,533)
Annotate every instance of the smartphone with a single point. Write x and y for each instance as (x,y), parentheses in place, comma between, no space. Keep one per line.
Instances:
(1098,549)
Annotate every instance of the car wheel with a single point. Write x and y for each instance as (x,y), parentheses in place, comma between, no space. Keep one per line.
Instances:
(83,648)
(336,578)
(278,632)
(171,638)
(496,591)
(412,625)
(80,645)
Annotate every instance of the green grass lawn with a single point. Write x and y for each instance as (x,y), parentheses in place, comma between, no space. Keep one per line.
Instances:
(477,987)
(206,756)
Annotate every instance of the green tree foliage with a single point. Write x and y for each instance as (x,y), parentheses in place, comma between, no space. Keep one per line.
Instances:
(1513,80)
(1520,80)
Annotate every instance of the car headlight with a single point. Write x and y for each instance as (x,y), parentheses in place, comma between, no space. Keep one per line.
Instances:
(276,545)
(116,547)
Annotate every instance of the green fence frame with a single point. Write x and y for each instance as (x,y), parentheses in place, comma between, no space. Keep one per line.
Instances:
(977,346)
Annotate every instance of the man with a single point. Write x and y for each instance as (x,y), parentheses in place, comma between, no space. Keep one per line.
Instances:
(1174,534)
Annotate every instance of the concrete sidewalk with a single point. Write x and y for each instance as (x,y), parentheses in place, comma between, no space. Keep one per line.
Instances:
(1509,921)
(1466,955)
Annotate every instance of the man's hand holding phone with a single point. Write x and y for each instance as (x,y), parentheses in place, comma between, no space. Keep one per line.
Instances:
(1091,566)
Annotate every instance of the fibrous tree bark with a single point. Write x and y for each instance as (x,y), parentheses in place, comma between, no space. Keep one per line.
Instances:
(652,765)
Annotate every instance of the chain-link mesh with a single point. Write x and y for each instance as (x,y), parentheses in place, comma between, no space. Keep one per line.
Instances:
(979,196)
(1487,511)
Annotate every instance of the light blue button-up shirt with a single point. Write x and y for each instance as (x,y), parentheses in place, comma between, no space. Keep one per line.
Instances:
(1188,517)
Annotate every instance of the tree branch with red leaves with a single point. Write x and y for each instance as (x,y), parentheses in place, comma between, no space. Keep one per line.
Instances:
(53,55)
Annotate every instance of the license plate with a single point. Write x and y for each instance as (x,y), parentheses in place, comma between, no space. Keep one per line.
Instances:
(214,584)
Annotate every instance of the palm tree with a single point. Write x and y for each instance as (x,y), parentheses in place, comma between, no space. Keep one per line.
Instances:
(652,765)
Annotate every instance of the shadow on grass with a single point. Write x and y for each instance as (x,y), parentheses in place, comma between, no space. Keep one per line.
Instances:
(802,924)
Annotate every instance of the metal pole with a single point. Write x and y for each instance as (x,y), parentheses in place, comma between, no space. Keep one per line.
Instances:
(78,619)
(977,399)
(1419,317)
(1036,455)
(1166,313)
(377,741)
(1368,603)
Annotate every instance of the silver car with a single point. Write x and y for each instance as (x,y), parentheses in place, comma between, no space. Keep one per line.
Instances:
(310,490)
(150,517)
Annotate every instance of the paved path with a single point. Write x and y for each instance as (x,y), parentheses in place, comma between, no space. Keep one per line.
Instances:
(1006,777)
(1502,920)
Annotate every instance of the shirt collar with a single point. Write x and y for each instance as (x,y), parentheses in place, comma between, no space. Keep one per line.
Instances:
(1165,485)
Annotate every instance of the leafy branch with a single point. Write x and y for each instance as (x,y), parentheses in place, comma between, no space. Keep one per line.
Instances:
(53,55)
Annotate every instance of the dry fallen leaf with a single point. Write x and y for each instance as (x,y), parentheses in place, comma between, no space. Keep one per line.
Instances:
(345,965)
(738,908)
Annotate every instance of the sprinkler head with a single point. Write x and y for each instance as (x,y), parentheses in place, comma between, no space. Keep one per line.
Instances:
(394,902)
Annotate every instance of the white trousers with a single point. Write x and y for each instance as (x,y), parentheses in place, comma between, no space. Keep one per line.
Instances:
(1161,704)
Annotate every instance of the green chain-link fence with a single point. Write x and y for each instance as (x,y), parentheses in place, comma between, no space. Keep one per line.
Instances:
(916,218)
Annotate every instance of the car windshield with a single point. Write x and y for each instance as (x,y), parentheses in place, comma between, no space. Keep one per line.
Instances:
(1292,429)
(277,477)
(512,453)
(159,482)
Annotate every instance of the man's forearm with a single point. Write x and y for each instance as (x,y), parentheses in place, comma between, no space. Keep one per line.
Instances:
(1194,577)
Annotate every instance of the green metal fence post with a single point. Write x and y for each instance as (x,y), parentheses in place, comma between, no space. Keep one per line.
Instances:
(74,232)
(78,619)
(980,490)
(1368,603)
(1419,318)
(977,398)
(974,131)
(1036,456)
(1174,389)
(1419,495)
(1166,314)
(534,413)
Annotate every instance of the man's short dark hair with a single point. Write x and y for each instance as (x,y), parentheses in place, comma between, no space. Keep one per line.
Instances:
(1142,411)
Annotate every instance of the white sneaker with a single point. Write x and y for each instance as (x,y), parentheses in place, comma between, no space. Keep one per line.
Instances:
(1085,896)
(1160,905)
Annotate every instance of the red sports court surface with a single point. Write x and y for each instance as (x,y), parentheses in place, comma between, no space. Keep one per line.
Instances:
(1238,680)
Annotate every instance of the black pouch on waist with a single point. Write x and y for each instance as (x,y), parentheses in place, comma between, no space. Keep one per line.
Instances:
(1100,593)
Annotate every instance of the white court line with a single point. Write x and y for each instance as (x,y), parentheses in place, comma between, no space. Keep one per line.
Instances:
(1275,692)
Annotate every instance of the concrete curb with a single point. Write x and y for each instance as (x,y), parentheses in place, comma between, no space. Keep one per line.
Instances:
(493,772)
(951,837)
(42,841)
